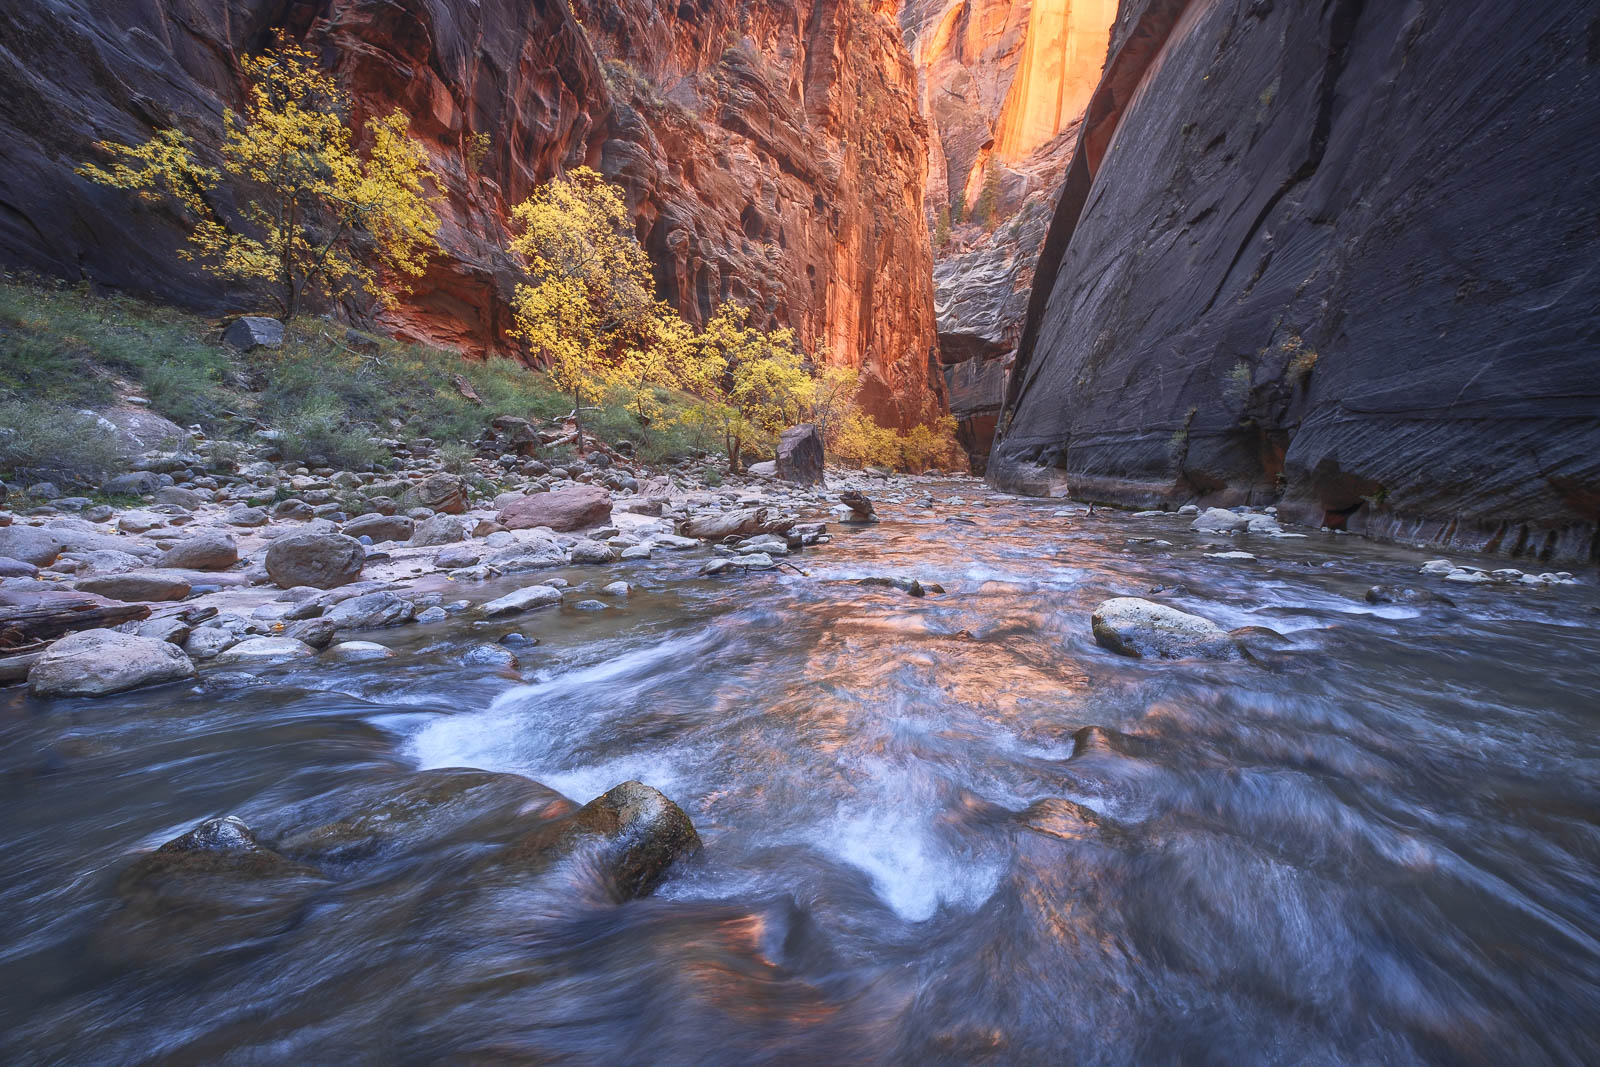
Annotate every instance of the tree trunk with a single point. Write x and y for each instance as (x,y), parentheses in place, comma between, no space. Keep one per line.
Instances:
(577,416)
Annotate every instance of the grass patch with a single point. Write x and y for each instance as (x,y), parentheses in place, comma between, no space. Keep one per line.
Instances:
(63,350)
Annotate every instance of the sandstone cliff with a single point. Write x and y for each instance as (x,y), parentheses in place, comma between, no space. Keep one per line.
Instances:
(772,152)
(1336,255)
(1003,84)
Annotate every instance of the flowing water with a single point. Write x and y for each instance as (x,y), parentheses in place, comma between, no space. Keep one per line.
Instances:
(1376,841)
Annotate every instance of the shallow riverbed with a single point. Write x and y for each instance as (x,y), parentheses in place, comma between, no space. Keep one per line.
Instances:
(1378,841)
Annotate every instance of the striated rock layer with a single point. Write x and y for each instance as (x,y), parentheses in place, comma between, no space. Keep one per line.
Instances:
(1336,255)
(772,152)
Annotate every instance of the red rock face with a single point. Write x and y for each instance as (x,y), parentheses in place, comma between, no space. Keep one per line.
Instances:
(772,153)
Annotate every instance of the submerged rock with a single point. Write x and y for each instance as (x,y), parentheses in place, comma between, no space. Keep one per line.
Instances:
(1130,626)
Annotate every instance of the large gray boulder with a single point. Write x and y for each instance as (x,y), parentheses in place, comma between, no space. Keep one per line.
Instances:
(1130,626)
(800,457)
(371,611)
(438,530)
(251,332)
(93,663)
(380,527)
(575,508)
(30,545)
(207,550)
(446,493)
(265,651)
(320,560)
(1219,520)
(137,586)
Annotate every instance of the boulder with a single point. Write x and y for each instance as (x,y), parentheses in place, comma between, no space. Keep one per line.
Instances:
(207,550)
(587,550)
(741,523)
(526,599)
(320,560)
(138,522)
(860,505)
(380,527)
(15,568)
(438,530)
(262,651)
(188,499)
(445,493)
(97,662)
(249,518)
(251,332)
(293,509)
(371,611)
(208,642)
(136,586)
(1218,520)
(1130,626)
(576,508)
(30,545)
(633,833)
(359,652)
(135,483)
(800,457)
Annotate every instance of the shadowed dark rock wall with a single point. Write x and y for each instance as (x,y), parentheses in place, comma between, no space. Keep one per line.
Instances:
(1337,255)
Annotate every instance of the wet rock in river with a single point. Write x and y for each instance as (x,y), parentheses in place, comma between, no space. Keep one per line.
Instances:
(1219,520)
(371,611)
(534,596)
(265,651)
(318,633)
(99,662)
(1130,626)
(359,652)
(860,505)
(320,560)
(633,832)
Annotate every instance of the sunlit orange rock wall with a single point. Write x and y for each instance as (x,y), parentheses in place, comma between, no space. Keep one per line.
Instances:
(773,153)
(776,156)
(1003,84)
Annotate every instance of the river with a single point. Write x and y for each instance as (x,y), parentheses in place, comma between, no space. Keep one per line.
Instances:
(1376,841)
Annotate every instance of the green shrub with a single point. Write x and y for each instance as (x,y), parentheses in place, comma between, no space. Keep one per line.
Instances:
(40,442)
(320,430)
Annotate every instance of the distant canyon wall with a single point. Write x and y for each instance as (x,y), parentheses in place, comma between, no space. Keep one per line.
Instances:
(1003,84)
(1337,255)
(772,153)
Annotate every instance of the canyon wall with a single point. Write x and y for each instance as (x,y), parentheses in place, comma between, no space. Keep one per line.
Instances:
(1003,84)
(772,153)
(1335,255)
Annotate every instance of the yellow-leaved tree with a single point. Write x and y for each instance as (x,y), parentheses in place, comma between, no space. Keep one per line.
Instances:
(753,382)
(589,298)
(314,216)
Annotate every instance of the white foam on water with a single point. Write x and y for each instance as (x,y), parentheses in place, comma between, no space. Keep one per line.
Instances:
(540,730)
(911,870)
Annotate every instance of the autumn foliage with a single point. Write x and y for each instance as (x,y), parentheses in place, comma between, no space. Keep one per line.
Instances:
(315,216)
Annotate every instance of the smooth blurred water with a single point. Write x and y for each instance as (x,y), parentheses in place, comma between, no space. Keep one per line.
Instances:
(1375,843)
